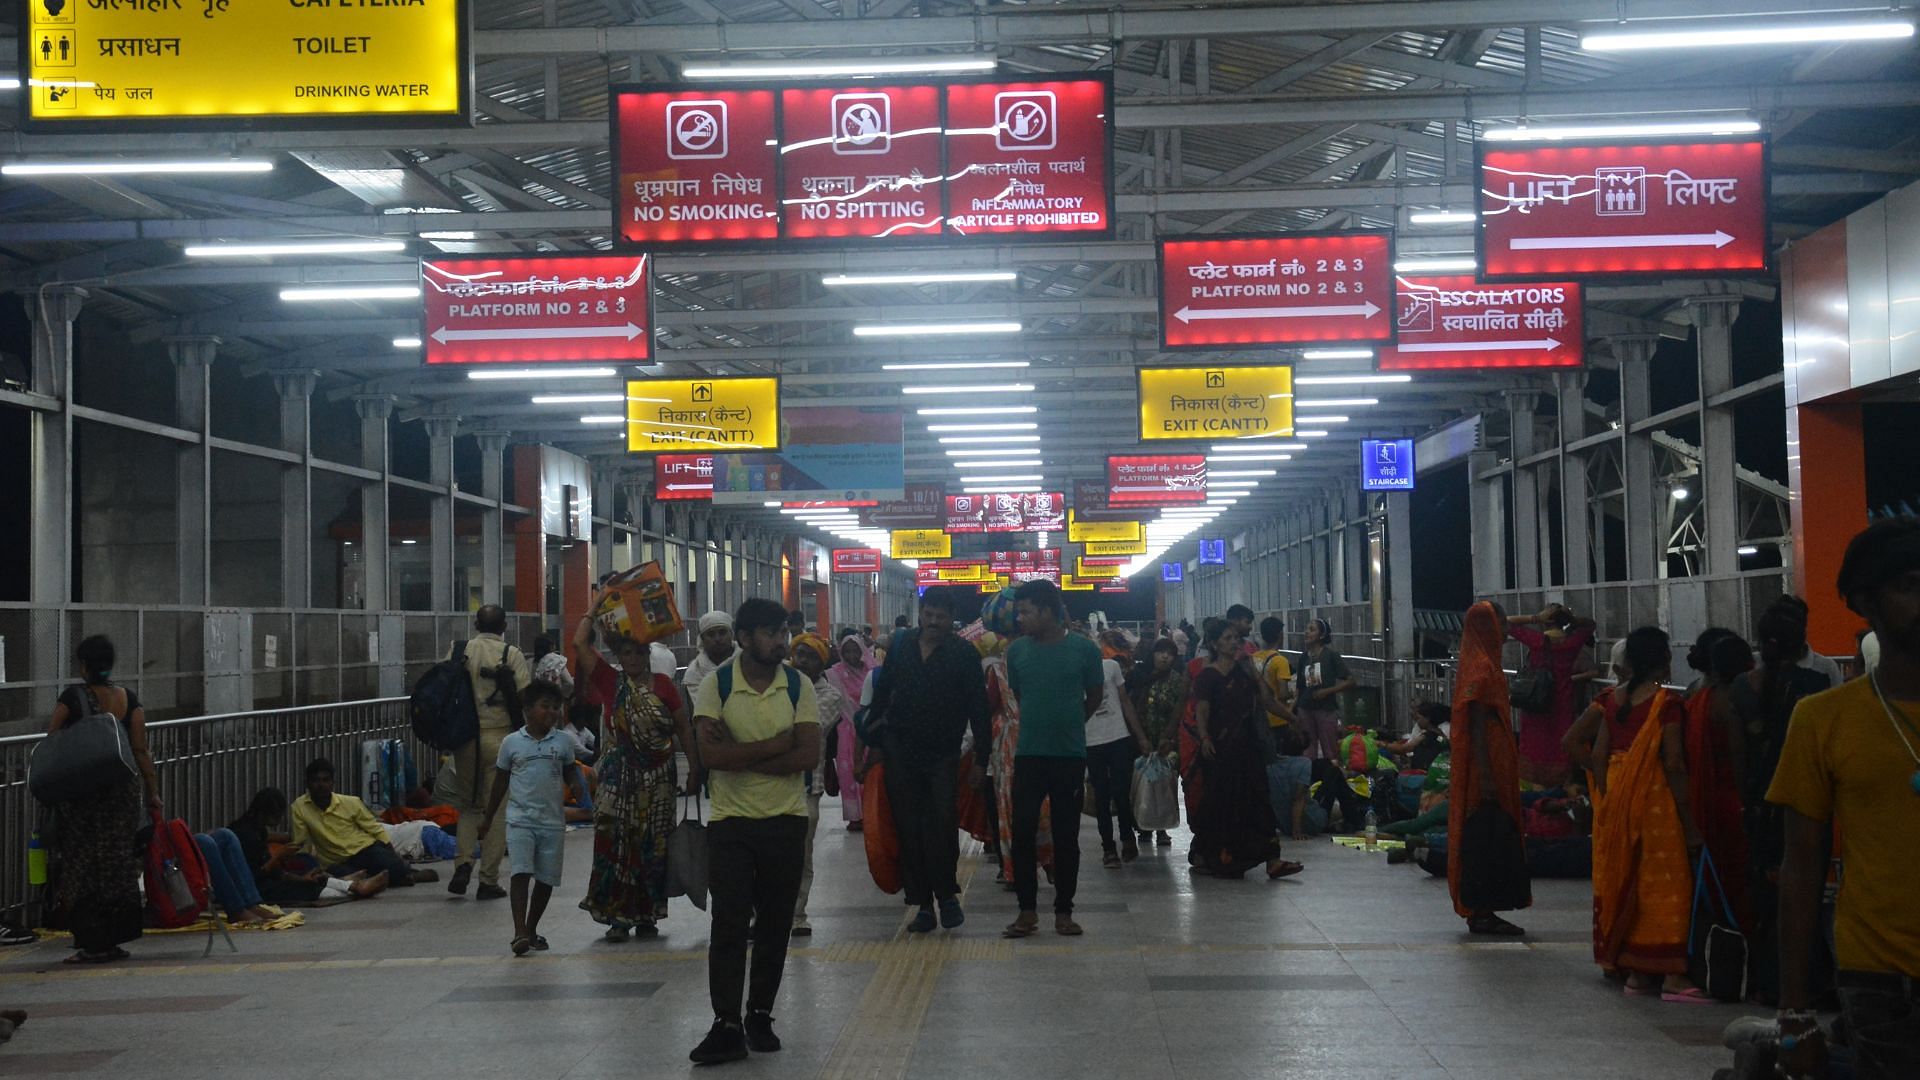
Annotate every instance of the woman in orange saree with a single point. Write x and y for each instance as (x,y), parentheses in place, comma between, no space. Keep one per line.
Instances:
(1486,854)
(1643,831)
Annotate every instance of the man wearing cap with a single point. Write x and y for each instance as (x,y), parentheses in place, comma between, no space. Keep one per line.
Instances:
(716,648)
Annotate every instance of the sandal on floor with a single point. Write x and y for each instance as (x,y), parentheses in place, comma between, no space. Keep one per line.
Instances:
(539,943)
(1492,926)
(1283,868)
(94,958)
(1021,929)
(616,934)
(1692,995)
(1066,927)
(522,946)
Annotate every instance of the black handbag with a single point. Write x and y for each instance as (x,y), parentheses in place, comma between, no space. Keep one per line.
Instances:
(1493,862)
(1717,953)
(88,754)
(1531,690)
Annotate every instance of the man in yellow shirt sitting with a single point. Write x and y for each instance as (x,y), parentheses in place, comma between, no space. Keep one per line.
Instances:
(1852,760)
(344,835)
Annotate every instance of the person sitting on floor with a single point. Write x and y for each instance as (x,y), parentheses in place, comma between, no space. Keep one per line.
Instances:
(287,877)
(344,835)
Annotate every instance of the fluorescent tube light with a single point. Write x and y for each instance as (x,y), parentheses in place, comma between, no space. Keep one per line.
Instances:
(603,419)
(958,440)
(294,247)
(1349,380)
(1747,549)
(1443,217)
(131,168)
(1252,446)
(1320,434)
(1718,36)
(983,427)
(914,278)
(1214,475)
(544,373)
(1022,452)
(1212,483)
(1026,478)
(935,329)
(818,69)
(1551,132)
(1337,354)
(977,388)
(1235,459)
(578,399)
(352,292)
(1425,266)
(978,410)
(989,489)
(407,343)
(8,82)
(1320,419)
(1020,463)
(1334,402)
(956,365)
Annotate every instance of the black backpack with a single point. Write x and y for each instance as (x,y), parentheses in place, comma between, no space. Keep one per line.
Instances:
(442,708)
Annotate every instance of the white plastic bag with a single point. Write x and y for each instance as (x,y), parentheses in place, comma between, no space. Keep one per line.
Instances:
(1155,793)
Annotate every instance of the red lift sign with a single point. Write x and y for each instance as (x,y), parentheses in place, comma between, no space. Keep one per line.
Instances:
(1456,322)
(565,309)
(856,561)
(1287,289)
(1626,209)
(682,476)
(694,166)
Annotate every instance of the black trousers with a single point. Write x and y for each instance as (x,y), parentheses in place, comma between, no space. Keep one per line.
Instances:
(374,859)
(1333,788)
(928,825)
(1056,780)
(1110,769)
(1884,1021)
(753,874)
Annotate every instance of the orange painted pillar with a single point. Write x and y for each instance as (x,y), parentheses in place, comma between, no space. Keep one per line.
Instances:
(529,541)
(1827,481)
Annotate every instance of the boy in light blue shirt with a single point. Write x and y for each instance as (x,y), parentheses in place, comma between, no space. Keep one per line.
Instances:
(532,774)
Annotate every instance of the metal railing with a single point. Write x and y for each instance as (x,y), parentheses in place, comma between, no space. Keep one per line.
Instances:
(210,767)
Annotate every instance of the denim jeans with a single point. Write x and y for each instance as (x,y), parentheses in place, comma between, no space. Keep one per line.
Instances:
(227,871)
(1110,770)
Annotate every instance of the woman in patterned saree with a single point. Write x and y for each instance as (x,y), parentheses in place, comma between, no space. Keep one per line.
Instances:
(633,810)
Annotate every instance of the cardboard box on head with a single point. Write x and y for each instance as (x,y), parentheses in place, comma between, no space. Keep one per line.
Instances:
(637,604)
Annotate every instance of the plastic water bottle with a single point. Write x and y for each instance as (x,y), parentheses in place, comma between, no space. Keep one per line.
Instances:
(36,861)
(1373,829)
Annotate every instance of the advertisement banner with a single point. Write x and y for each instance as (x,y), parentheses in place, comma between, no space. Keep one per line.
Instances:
(1156,479)
(828,454)
(148,63)
(1214,403)
(1115,547)
(966,513)
(700,415)
(919,544)
(856,560)
(682,476)
(1029,157)
(1283,289)
(925,507)
(1631,209)
(1458,323)
(1089,532)
(1386,465)
(562,310)
(860,160)
(694,165)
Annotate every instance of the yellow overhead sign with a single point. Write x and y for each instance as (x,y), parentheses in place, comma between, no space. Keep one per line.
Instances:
(184,61)
(1116,547)
(1102,573)
(970,573)
(1087,532)
(1068,584)
(1222,402)
(921,544)
(702,416)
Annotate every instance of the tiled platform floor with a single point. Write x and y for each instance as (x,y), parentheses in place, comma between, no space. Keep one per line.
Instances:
(1354,970)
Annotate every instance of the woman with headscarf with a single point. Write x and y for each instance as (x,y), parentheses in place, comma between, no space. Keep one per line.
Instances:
(809,656)
(634,811)
(1715,746)
(1486,855)
(849,676)
(1234,828)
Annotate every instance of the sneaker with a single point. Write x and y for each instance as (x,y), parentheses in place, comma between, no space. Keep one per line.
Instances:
(1129,850)
(760,1036)
(13,935)
(724,1042)
(922,923)
(490,892)
(462,875)
(950,914)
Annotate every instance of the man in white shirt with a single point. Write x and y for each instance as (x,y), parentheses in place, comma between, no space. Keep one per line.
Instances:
(716,648)
(1114,739)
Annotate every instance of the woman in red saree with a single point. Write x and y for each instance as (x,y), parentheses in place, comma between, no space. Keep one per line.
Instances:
(1643,830)
(1715,748)
(1486,856)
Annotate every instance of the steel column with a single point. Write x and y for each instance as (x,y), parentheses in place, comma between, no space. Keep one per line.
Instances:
(50,513)
(296,487)
(493,445)
(1570,387)
(1643,500)
(1713,318)
(1487,507)
(193,478)
(441,535)
(376,454)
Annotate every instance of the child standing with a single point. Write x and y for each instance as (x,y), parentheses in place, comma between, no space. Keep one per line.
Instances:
(534,768)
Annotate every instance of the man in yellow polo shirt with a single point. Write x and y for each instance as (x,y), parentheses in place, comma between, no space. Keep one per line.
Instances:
(1274,668)
(343,834)
(759,733)
(1852,760)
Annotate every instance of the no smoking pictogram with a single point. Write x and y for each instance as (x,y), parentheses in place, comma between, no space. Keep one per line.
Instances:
(696,129)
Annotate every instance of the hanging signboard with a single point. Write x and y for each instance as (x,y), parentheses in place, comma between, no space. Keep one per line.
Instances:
(1459,323)
(1043,511)
(1029,158)
(964,572)
(919,544)
(1631,209)
(1114,547)
(1020,511)
(835,455)
(695,166)
(1088,532)
(1069,583)
(966,513)
(1173,572)
(1095,571)
(856,561)
(168,65)
(682,477)
(1119,586)
(923,508)
(1024,562)
(1213,553)
(1283,289)
(1386,465)
(561,309)
(1224,402)
(694,415)
(1090,503)
(1156,479)
(860,160)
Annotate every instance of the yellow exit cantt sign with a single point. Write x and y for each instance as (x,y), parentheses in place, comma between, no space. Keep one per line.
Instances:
(1116,547)
(1226,402)
(920,544)
(1090,532)
(188,63)
(690,416)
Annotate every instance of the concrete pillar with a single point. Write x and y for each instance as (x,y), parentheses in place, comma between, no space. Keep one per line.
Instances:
(1529,545)
(602,532)
(1719,492)
(1488,510)
(493,445)
(634,490)
(376,455)
(193,477)
(1644,499)
(1570,394)
(295,388)
(440,513)
(1399,578)
(51,496)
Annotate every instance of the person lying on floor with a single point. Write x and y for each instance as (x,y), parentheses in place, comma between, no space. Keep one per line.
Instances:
(344,835)
(289,878)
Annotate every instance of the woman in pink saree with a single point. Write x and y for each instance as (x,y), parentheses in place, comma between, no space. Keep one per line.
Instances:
(849,676)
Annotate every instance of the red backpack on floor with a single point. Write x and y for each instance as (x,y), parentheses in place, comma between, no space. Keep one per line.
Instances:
(176,876)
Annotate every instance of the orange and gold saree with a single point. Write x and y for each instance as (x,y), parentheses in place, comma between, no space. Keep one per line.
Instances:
(1642,882)
(1481,681)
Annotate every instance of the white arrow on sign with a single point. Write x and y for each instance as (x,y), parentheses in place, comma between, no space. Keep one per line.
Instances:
(1545,344)
(629,331)
(1366,311)
(1714,239)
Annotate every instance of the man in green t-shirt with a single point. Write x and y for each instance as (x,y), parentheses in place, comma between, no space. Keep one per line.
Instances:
(1057,681)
